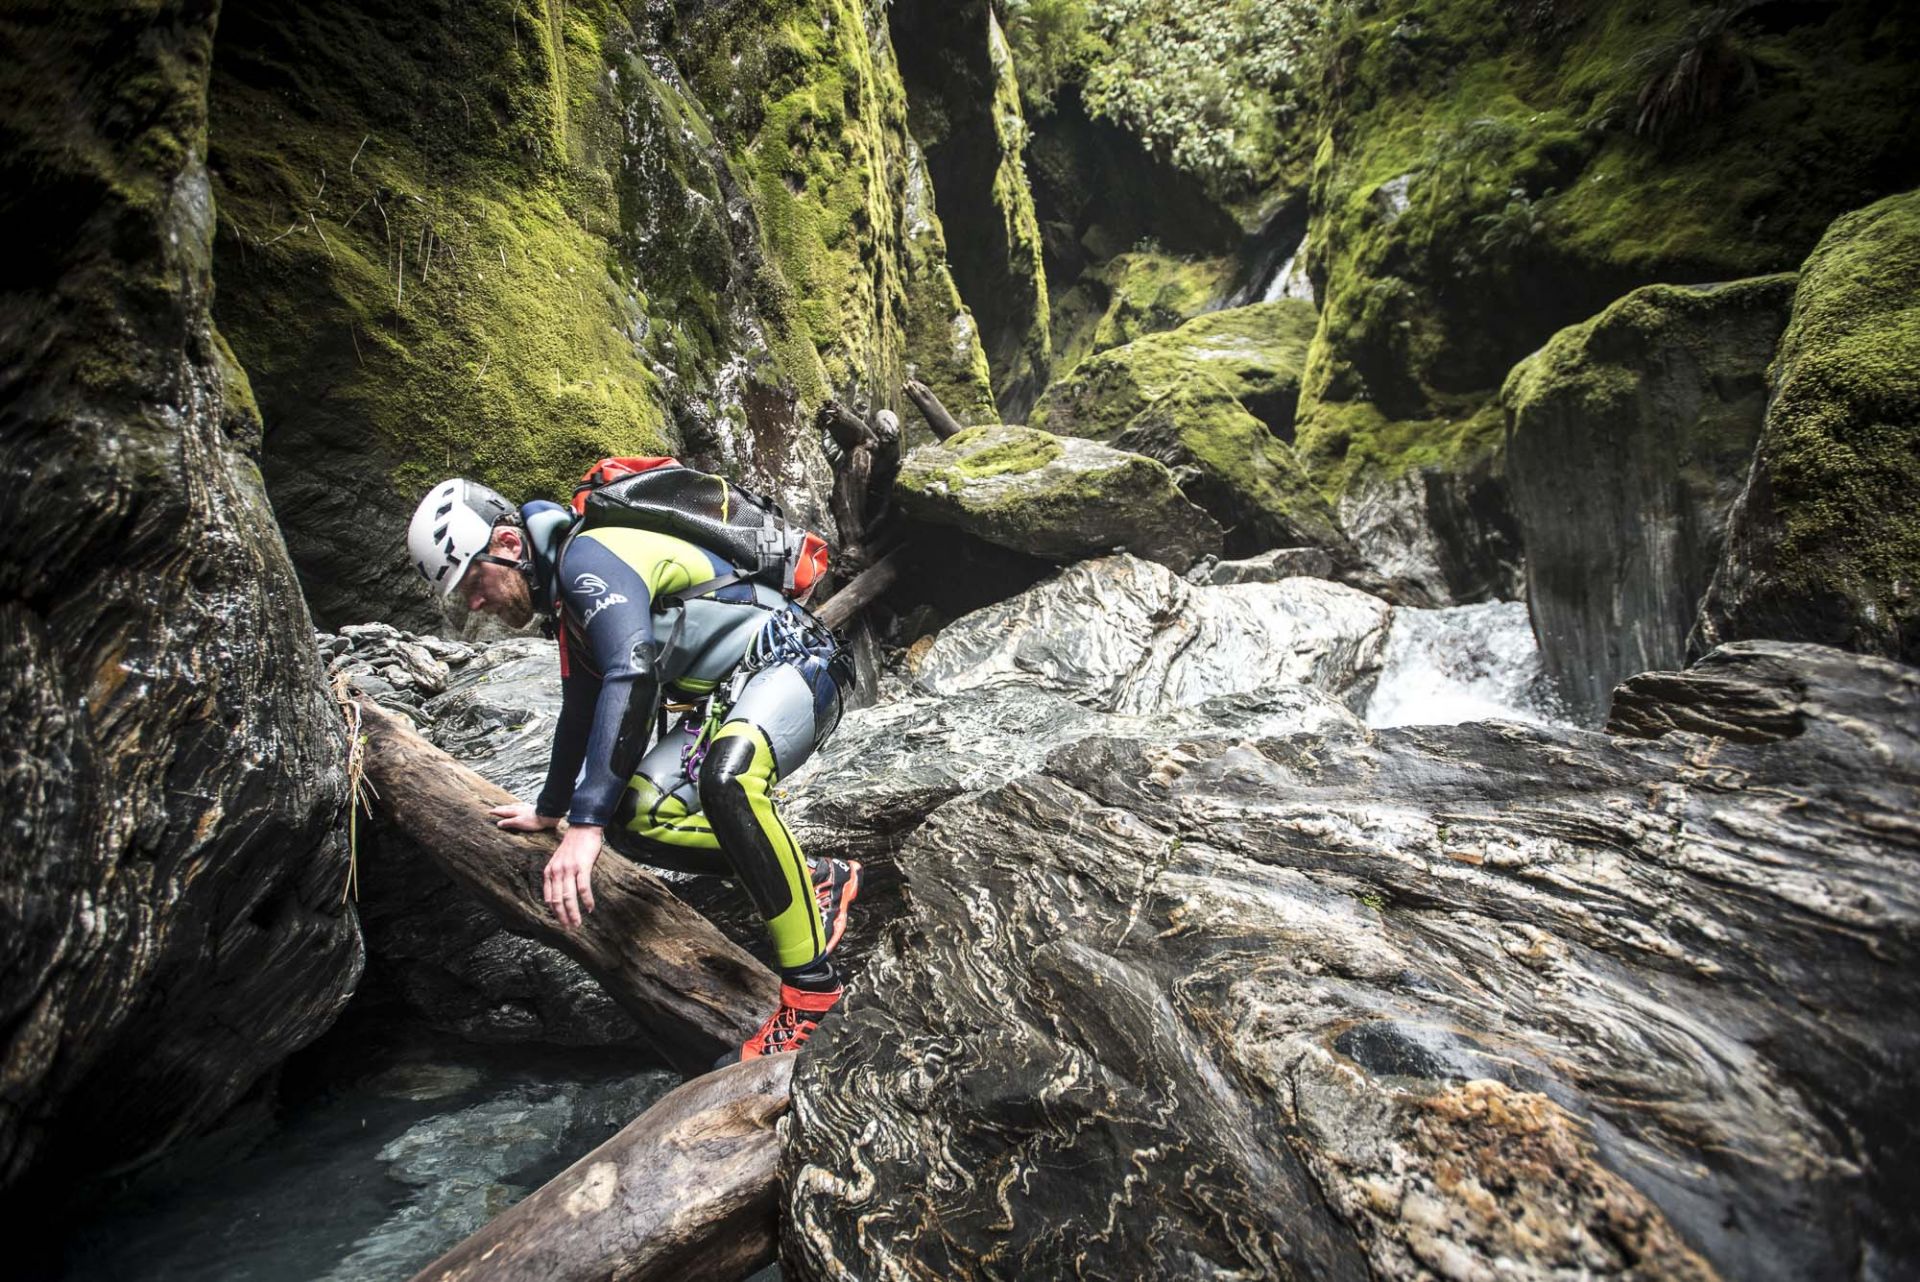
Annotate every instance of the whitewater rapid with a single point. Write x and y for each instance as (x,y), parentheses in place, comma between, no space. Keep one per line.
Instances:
(1462,663)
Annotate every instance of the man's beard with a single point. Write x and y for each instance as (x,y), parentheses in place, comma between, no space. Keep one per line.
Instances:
(516,609)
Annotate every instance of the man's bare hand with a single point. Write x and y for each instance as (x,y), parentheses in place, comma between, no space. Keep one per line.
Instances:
(518,816)
(569,883)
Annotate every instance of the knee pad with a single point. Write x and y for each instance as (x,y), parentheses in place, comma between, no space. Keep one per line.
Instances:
(735,786)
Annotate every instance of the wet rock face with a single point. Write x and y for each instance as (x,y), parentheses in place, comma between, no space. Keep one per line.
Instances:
(1458,1001)
(1437,535)
(493,706)
(1629,437)
(1125,635)
(1053,496)
(171,912)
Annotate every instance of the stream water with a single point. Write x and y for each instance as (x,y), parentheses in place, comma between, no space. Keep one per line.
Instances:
(1463,663)
(384,1145)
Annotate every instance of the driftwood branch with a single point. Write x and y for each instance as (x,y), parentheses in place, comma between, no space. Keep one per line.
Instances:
(861,592)
(943,423)
(856,441)
(846,428)
(686,1190)
(692,990)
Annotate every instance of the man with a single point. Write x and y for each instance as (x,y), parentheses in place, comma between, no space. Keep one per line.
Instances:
(759,684)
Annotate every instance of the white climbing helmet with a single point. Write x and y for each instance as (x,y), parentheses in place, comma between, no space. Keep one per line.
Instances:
(452,524)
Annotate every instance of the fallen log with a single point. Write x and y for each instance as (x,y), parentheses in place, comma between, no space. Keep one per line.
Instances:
(862,589)
(938,417)
(693,991)
(686,1190)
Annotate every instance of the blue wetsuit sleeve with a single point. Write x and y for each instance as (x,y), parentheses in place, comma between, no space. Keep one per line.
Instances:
(579,693)
(610,606)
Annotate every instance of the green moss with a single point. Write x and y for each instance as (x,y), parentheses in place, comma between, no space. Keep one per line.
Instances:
(1599,366)
(1132,295)
(987,451)
(1256,353)
(1026,370)
(1839,448)
(1213,400)
(943,340)
(422,247)
(1479,185)
(1229,462)
(240,412)
(812,115)
(1046,496)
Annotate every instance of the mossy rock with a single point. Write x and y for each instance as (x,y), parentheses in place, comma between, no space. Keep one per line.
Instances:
(1057,497)
(1485,178)
(943,338)
(1824,544)
(1132,295)
(1213,400)
(1629,437)
(1255,353)
(417,268)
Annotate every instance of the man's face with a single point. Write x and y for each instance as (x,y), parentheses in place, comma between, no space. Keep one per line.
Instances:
(497,590)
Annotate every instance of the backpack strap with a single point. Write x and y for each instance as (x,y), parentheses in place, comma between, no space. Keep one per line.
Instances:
(708,588)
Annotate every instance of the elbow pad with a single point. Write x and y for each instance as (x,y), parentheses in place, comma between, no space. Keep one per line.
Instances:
(636,724)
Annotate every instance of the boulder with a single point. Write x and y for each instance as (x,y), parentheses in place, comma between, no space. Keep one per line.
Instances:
(173,920)
(891,765)
(1126,635)
(1214,400)
(1475,1001)
(1439,532)
(1628,437)
(1824,543)
(1268,567)
(1056,497)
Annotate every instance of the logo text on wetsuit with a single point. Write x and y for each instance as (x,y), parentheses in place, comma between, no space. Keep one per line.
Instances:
(590,584)
(611,599)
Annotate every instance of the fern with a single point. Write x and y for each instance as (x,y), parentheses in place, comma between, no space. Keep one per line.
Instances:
(1696,73)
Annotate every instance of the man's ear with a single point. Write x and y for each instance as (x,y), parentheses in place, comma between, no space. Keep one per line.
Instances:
(506,541)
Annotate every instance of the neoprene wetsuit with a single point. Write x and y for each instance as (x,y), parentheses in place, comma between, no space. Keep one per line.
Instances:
(758,681)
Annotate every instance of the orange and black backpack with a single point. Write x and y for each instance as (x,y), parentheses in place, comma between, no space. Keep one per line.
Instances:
(747,529)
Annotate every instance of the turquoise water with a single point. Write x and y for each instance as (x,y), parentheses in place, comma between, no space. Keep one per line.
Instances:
(382,1146)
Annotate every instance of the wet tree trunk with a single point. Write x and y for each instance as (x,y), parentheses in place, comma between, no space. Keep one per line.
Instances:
(694,992)
(687,1190)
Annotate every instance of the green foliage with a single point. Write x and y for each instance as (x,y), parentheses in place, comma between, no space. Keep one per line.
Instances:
(1505,233)
(1695,72)
(999,451)
(1211,84)
(1053,44)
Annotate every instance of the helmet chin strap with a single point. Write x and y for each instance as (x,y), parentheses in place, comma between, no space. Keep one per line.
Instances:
(525,567)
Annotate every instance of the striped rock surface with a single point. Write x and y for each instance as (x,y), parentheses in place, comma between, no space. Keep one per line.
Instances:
(1473,1001)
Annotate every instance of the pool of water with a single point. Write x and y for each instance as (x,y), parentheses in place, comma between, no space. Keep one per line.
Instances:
(381,1146)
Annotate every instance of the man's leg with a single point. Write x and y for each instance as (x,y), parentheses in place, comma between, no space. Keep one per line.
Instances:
(659,820)
(772,728)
